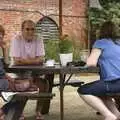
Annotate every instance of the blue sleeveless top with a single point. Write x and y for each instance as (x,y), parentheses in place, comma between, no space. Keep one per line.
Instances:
(109,60)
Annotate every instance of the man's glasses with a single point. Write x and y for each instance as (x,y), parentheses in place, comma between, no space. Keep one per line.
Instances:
(30,29)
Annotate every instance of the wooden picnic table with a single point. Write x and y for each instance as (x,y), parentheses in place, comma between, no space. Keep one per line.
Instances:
(57,69)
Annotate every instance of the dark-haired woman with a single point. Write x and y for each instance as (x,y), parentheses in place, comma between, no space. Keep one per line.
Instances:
(106,54)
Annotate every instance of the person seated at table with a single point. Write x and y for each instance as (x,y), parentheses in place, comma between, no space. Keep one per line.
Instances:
(106,54)
(6,82)
(28,49)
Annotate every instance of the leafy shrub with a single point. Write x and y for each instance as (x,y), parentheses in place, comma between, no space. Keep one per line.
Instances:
(65,46)
(52,49)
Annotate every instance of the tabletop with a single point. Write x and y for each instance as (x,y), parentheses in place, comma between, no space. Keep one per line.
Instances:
(55,69)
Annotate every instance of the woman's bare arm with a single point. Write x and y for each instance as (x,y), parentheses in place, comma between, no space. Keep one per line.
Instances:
(93,58)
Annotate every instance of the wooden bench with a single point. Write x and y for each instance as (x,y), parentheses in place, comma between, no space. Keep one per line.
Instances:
(73,83)
(69,81)
(15,112)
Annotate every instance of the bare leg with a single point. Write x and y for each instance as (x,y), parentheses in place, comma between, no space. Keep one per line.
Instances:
(39,104)
(1,112)
(2,115)
(111,106)
(99,105)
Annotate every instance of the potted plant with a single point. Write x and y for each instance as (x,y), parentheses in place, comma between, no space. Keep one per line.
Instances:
(52,49)
(66,50)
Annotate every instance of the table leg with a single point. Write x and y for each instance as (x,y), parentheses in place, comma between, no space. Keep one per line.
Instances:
(61,96)
(15,112)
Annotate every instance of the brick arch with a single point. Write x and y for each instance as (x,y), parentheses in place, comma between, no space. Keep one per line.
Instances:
(47,28)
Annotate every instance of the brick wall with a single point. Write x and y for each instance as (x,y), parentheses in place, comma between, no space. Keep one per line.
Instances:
(13,12)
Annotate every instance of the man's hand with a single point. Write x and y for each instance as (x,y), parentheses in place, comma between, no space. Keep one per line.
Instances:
(9,78)
(29,61)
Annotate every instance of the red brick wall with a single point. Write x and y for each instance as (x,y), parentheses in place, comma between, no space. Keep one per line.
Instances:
(13,12)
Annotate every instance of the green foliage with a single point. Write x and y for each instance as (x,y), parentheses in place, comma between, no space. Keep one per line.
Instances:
(105,3)
(109,12)
(76,53)
(52,49)
(65,46)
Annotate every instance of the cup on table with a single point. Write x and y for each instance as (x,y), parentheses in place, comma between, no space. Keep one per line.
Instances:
(84,55)
(50,63)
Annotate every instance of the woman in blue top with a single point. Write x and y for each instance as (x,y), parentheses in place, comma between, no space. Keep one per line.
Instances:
(106,54)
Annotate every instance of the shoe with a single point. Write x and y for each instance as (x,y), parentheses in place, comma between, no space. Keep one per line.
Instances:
(7,96)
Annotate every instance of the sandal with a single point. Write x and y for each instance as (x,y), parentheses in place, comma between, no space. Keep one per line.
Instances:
(22,117)
(39,116)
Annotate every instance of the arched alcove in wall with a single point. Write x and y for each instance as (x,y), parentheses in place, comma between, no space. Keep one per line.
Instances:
(47,28)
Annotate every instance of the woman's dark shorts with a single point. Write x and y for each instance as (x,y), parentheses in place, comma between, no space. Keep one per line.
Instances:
(100,87)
